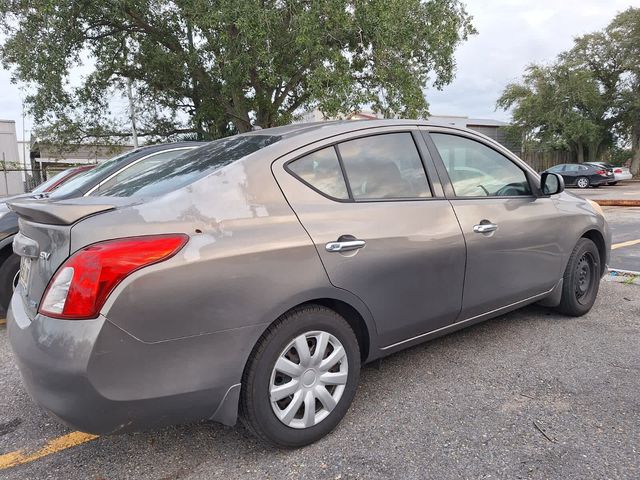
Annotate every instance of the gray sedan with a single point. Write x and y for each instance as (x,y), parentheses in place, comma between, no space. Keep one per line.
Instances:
(253,276)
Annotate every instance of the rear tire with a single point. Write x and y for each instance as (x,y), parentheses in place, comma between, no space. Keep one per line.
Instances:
(581,280)
(262,381)
(582,182)
(9,271)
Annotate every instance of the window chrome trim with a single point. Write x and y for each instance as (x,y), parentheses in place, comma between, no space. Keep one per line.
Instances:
(135,162)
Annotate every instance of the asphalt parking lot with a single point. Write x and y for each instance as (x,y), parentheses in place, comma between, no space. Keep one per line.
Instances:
(528,395)
(625,228)
(621,191)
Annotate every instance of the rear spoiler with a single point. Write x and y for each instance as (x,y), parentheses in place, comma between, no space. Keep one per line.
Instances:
(65,212)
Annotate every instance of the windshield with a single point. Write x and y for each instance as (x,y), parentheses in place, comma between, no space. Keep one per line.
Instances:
(90,176)
(187,168)
(46,184)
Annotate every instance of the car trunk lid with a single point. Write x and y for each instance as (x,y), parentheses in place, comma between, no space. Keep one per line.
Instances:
(44,240)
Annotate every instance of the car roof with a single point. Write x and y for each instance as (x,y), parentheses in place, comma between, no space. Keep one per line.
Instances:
(344,126)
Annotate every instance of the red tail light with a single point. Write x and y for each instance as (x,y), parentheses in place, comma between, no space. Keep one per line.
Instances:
(618,170)
(82,284)
(601,172)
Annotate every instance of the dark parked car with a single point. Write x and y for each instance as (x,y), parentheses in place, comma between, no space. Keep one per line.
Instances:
(257,273)
(84,182)
(583,175)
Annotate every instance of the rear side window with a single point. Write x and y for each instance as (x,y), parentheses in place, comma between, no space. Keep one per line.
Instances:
(322,171)
(189,167)
(136,168)
(377,167)
(384,166)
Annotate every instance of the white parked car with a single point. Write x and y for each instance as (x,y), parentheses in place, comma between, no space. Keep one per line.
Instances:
(619,173)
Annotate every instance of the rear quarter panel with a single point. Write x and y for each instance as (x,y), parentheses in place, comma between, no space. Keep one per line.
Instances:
(248,259)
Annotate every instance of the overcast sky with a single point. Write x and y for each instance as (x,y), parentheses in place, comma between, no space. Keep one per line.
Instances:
(511,35)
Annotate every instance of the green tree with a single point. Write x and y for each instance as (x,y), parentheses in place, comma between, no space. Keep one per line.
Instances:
(613,58)
(559,106)
(590,97)
(211,68)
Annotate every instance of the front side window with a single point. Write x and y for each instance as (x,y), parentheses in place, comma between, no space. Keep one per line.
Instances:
(383,167)
(322,171)
(476,170)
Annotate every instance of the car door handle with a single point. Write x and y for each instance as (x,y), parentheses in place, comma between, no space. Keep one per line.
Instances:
(485,228)
(344,246)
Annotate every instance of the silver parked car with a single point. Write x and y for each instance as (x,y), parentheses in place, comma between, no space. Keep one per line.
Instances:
(255,275)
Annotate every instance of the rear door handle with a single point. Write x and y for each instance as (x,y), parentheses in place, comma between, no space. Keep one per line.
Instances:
(485,228)
(344,246)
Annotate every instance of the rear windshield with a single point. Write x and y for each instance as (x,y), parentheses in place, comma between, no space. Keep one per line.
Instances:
(43,186)
(91,176)
(189,167)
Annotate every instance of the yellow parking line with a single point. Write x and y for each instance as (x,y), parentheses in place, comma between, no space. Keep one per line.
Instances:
(3,321)
(625,244)
(72,439)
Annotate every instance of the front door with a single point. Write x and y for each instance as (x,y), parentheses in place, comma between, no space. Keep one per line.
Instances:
(513,252)
(379,230)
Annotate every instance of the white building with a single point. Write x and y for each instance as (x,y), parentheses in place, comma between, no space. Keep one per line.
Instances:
(11,176)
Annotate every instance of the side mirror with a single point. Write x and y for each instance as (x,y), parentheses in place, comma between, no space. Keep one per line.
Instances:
(551,183)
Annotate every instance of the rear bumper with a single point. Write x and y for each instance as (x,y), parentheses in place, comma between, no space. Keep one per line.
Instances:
(600,180)
(97,378)
(622,176)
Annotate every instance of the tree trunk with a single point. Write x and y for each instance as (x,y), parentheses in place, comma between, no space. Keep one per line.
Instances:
(580,150)
(635,145)
(593,151)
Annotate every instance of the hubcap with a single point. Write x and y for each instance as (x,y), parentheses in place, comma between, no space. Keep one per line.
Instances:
(583,182)
(308,379)
(584,275)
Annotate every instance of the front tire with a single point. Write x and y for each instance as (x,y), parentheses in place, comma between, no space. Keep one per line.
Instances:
(301,377)
(581,280)
(582,182)
(9,271)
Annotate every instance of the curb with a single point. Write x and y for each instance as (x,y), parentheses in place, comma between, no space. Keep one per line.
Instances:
(623,276)
(617,203)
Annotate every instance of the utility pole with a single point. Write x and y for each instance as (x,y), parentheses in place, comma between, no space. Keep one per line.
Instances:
(24,151)
(132,112)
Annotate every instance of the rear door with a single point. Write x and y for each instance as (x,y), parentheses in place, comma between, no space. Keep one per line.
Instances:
(381,226)
(512,236)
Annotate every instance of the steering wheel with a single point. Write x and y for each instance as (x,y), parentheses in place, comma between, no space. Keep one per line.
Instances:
(511,189)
